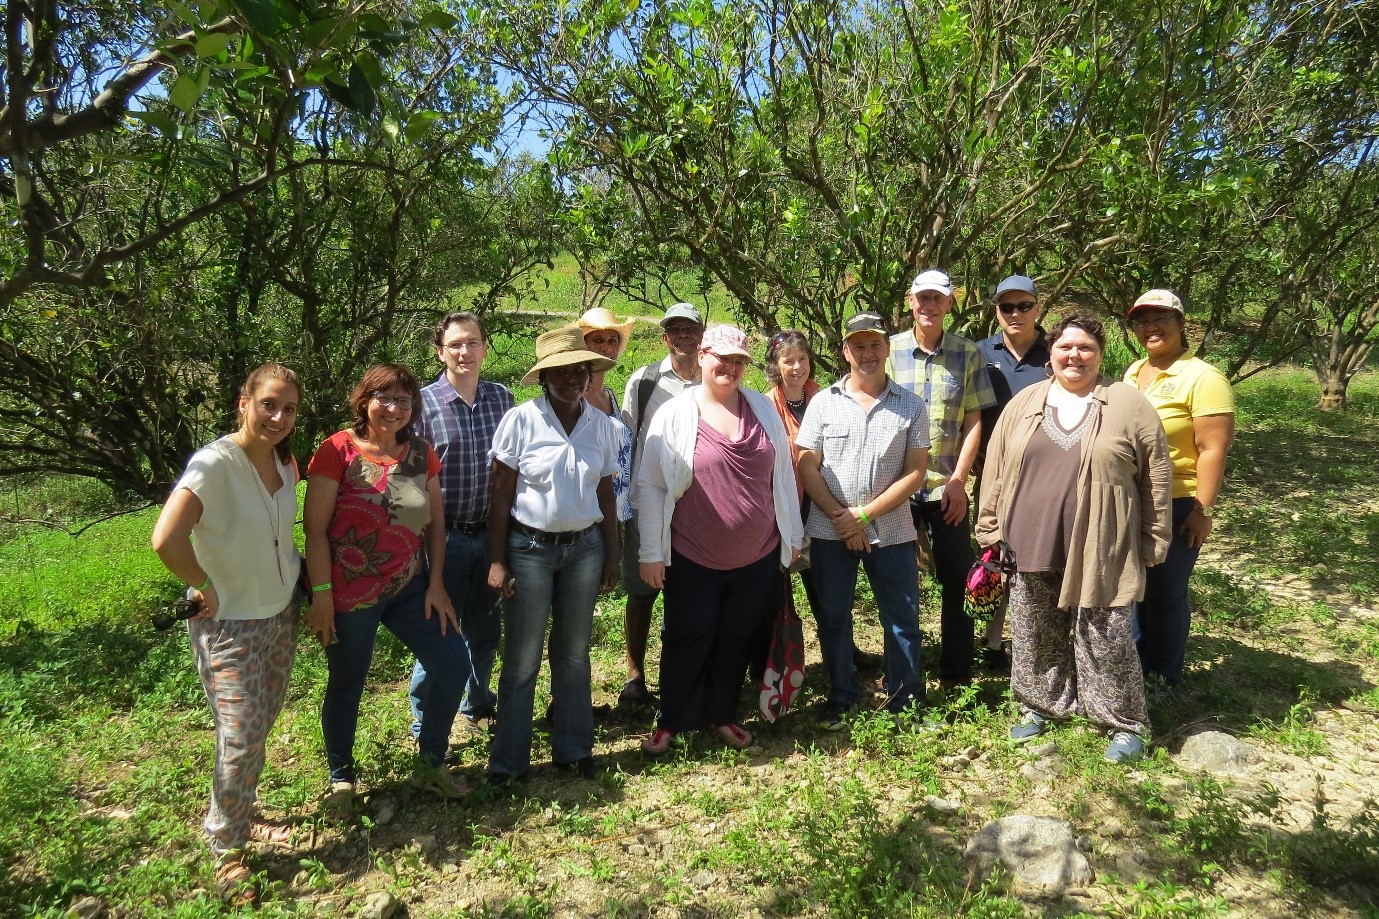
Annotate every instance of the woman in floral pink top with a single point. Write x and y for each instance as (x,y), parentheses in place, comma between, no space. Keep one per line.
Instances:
(372,501)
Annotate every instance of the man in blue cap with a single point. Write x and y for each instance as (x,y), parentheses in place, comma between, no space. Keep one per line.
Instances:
(1015,358)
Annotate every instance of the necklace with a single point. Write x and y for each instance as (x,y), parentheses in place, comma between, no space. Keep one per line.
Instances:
(270,505)
(795,403)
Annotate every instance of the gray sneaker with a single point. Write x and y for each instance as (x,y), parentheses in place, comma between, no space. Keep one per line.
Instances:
(1029,727)
(1124,748)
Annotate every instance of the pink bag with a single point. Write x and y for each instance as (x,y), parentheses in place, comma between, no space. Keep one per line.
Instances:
(986,582)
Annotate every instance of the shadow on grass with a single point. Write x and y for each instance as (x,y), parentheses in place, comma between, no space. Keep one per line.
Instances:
(1235,686)
(42,673)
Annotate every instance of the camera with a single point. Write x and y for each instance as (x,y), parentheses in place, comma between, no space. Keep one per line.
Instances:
(180,611)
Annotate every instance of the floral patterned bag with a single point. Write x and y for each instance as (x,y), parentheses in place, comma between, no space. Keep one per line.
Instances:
(986,582)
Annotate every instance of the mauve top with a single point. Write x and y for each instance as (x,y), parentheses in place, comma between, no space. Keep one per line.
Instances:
(725,519)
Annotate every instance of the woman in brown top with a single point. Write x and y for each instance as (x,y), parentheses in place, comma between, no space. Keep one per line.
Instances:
(1079,487)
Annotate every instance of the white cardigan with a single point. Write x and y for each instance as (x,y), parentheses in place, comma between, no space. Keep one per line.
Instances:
(667,469)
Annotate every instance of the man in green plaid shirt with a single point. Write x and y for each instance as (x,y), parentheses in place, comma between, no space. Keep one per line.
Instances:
(948,373)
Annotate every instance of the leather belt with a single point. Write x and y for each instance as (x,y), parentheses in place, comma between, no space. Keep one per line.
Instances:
(551,539)
(477,526)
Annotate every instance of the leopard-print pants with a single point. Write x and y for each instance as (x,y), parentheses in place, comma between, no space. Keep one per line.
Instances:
(244,666)
(1074,661)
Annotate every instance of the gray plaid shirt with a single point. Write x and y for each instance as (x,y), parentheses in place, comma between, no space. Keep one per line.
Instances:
(864,453)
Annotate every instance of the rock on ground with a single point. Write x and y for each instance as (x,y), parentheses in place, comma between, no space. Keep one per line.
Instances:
(1040,853)
(1218,752)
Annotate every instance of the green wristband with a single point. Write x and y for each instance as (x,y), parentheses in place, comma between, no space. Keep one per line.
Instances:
(203,587)
(320,588)
(862,512)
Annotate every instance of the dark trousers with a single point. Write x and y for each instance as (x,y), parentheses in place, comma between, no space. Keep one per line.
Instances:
(713,621)
(953,558)
(1164,617)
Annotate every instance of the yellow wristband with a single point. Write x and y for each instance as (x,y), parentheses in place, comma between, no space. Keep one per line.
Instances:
(862,512)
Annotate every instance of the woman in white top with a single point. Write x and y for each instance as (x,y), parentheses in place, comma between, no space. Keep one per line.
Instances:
(226,531)
(719,514)
(553,546)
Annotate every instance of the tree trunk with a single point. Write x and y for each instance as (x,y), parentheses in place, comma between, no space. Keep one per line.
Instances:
(1333,394)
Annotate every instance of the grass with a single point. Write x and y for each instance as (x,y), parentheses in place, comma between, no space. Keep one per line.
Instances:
(105,746)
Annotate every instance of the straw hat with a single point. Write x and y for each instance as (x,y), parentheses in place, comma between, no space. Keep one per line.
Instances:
(600,317)
(561,348)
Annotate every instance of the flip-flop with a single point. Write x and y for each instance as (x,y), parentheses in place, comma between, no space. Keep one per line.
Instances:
(733,735)
(634,692)
(658,743)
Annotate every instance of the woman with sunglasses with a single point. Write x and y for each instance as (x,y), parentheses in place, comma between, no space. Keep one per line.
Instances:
(1197,408)
(238,498)
(373,501)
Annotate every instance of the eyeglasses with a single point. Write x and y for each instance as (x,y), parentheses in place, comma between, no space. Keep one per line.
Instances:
(1151,320)
(1023,306)
(388,400)
(681,331)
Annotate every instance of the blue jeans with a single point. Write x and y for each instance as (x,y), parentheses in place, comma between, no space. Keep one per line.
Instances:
(1163,618)
(465,574)
(894,581)
(348,664)
(555,584)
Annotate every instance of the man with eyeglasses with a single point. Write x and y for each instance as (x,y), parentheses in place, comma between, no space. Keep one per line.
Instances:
(1015,358)
(648,389)
(459,413)
(948,373)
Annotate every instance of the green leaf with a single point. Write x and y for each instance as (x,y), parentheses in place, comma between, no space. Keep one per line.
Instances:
(159,121)
(185,92)
(362,98)
(315,33)
(214,44)
(372,69)
(419,124)
(438,19)
(262,15)
(391,127)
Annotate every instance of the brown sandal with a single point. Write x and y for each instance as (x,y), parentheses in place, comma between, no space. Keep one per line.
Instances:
(234,881)
(273,835)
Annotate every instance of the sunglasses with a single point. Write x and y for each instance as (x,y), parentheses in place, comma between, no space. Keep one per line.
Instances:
(1023,306)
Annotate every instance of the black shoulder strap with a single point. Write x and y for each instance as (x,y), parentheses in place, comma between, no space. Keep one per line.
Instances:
(645,387)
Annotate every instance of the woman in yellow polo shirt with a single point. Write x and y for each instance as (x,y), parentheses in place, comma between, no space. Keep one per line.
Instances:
(1197,408)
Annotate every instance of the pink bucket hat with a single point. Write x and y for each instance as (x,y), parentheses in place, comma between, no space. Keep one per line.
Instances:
(725,340)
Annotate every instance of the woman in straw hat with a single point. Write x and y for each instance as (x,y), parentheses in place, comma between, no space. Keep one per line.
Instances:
(604,334)
(553,546)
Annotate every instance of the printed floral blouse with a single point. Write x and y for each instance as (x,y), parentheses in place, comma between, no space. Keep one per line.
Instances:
(380,512)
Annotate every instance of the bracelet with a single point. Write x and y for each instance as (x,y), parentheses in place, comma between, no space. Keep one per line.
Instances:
(203,587)
(862,512)
(320,588)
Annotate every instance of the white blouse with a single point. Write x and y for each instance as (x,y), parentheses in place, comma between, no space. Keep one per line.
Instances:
(557,474)
(244,537)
